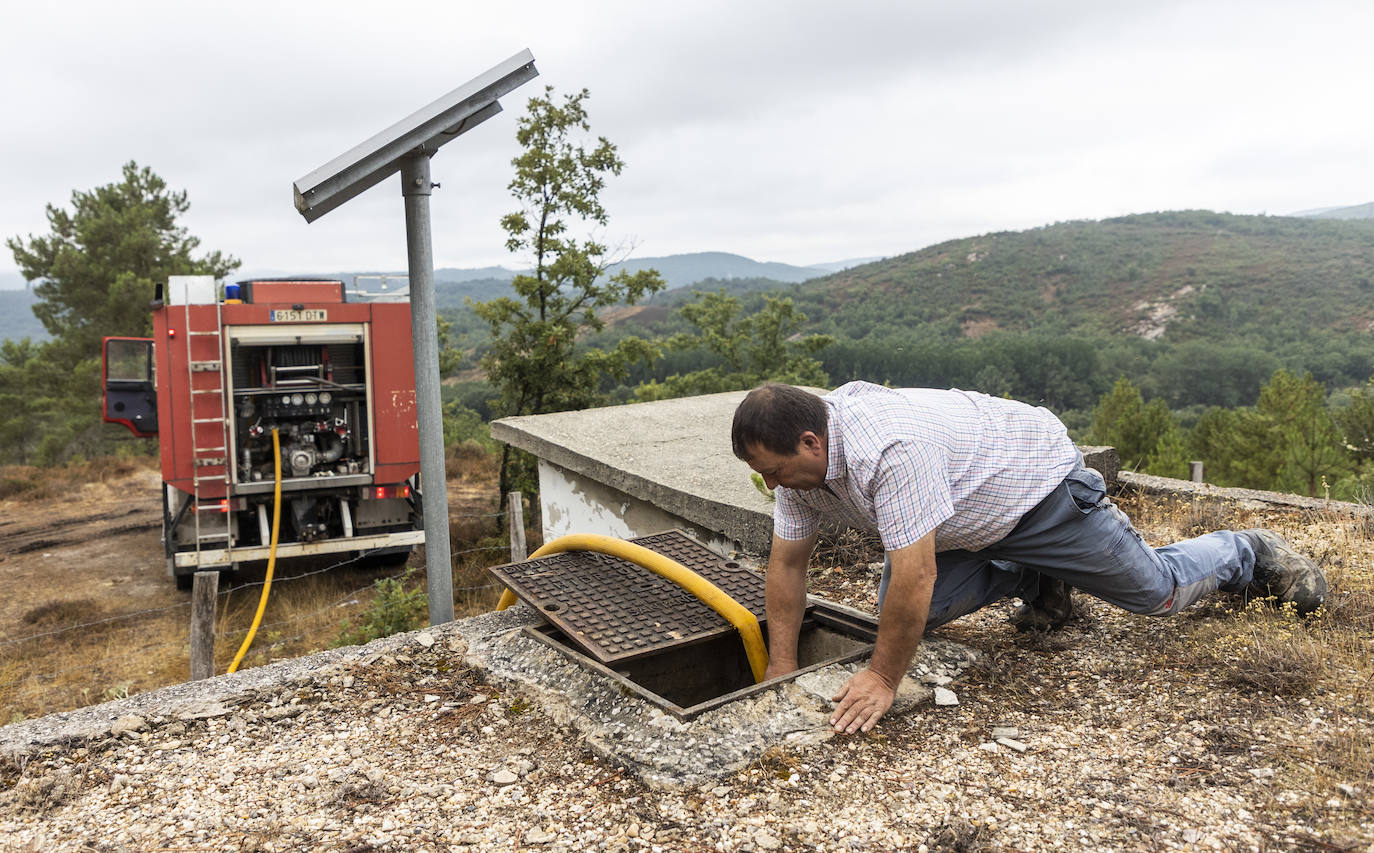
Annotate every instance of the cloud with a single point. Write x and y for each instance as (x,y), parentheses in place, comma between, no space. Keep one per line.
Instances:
(795,131)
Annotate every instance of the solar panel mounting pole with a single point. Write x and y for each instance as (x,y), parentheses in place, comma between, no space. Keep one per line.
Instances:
(406,147)
(416,188)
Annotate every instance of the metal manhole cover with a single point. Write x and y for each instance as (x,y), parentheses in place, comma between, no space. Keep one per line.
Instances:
(618,611)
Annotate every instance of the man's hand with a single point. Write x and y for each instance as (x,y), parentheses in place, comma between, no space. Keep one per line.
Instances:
(862,700)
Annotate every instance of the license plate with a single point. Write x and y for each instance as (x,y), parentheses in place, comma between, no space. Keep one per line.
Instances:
(308,315)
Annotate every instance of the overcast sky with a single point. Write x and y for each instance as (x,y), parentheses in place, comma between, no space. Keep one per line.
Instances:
(800,132)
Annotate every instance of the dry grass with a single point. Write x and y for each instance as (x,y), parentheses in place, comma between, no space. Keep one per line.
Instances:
(960,836)
(55,614)
(38,795)
(1263,649)
(110,656)
(101,660)
(848,547)
(33,483)
(1282,669)
(112,659)
(469,462)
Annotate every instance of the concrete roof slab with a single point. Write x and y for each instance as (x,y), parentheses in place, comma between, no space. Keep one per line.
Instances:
(674,454)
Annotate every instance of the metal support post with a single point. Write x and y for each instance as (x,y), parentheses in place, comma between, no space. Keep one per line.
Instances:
(416,188)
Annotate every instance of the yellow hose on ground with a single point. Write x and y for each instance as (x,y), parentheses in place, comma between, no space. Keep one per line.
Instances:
(711,595)
(271,554)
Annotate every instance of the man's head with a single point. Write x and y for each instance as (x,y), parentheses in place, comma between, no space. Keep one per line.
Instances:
(781,432)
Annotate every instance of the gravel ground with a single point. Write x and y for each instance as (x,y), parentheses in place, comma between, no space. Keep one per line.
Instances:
(1105,736)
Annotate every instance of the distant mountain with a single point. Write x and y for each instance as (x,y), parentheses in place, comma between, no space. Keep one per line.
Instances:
(16,316)
(839,266)
(677,270)
(473,274)
(453,286)
(682,270)
(1358,211)
(1174,275)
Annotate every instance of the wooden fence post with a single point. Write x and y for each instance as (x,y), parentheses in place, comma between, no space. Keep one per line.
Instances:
(516,502)
(203,592)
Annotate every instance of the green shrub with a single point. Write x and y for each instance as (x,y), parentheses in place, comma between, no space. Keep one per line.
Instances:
(394,609)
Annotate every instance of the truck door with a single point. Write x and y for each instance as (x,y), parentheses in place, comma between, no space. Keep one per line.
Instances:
(130,389)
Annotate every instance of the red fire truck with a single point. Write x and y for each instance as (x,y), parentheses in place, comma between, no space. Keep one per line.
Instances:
(232,372)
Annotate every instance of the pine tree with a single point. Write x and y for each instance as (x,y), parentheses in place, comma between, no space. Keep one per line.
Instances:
(95,274)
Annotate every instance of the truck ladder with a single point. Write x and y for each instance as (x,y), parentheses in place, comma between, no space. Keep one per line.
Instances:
(209,424)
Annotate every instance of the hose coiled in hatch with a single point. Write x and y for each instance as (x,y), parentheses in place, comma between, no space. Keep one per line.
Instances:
(745,622)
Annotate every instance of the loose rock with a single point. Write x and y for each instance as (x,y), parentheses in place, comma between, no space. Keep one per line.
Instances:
(538,836)
(128,724)
(1012,743)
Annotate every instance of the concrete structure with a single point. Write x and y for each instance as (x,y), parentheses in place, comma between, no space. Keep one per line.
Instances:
(636,470)
(641,469)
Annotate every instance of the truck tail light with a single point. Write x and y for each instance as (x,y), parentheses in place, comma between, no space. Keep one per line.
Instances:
(399,491)
(224,505)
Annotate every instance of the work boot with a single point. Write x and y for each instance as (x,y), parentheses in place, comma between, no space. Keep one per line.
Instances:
(1282,573)
(1051,609)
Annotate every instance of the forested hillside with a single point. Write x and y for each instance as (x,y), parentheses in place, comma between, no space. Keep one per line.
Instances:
(1184,275)
(1195,308)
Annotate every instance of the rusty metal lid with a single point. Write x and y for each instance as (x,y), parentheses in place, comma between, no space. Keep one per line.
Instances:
(618,611)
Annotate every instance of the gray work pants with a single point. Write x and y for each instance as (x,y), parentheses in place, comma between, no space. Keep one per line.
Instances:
(1078,535)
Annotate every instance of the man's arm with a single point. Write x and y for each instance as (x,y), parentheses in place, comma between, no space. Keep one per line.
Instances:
(785,588)
(866,696)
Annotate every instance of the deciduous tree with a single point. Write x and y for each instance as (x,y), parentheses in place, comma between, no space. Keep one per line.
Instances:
(752,348)
(534,359)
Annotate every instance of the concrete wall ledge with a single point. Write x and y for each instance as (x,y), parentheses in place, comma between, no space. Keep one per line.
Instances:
(1246,498)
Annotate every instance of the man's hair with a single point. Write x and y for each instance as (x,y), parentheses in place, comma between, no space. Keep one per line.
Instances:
(773,416)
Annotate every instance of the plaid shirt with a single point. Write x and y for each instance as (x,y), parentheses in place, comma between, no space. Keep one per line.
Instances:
(912,460)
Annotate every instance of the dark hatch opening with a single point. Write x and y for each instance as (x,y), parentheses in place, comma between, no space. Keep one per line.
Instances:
(689,679)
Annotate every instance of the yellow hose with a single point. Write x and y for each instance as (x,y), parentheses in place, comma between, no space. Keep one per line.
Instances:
(271,554)
(711,595)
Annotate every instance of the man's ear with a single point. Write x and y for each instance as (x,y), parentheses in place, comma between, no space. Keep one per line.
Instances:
(809,441)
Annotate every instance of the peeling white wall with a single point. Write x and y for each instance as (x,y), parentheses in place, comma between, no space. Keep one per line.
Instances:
(571,503)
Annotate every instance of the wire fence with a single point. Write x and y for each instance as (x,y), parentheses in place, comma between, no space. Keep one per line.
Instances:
(9,646)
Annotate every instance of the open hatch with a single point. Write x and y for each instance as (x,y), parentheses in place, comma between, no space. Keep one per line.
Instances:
(657,640)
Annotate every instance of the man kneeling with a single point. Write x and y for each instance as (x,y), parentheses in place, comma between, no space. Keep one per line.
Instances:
(976,498)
